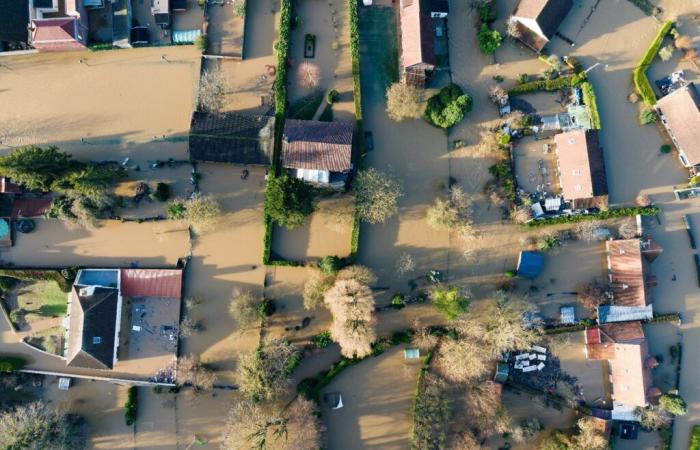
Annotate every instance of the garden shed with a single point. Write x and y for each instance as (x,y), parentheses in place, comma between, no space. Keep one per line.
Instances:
(530,264)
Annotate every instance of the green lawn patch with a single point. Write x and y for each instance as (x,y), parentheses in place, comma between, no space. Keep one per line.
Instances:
(641,82)
(42,299)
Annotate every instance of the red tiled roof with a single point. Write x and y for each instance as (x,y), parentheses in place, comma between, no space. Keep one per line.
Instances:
(627,273)
(56,34)
(581,165)
(151,283)
(310,144)
(417,41)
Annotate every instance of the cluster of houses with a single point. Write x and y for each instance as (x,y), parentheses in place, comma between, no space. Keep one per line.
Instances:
(61,25)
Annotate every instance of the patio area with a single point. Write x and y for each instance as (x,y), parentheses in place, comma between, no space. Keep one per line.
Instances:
(536,165)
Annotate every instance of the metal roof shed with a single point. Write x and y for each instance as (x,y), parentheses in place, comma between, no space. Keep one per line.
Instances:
(530,264)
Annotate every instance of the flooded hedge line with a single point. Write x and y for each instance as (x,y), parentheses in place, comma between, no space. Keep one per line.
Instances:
(548,85)
(641,82)
(357,98)
(64,277)
(581,325)
(602,215)
(589,99)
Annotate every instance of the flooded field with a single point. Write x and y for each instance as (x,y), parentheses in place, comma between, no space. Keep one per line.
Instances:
(113,244)
(377,394)
(101,105)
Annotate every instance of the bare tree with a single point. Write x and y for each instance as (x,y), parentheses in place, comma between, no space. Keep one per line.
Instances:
(691,56)
(361,274)
(653,418)
(309,75)
(628,229)
(592,294)
(586,230)
(513,30)
(190,370)
(264,373)
(422,337)
(461,361)
(377,195)
(452,214)
(189,326)
(315,288)
(683,42)
(259,425)
(484,410)
(498,95)
(36,426)
(403,102)
(589,437)
(200,212)
(405,264)
(522,214)
(642,200)
(352,306)
(466,441)
(244,308)
(212,91)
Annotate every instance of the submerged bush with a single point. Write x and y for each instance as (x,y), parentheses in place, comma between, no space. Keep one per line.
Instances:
(448,107)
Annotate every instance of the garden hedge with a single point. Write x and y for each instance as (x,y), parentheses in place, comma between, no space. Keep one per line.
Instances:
(641,82)
(357,97)
(646,6)
(131,406)
(556,84)
(695,438)
(602,215)
(64,278)
(280,88)
(589,99)
(11,364)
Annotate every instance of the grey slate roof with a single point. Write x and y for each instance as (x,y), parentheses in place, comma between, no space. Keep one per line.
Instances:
(309,144)
(92,316)
(231,138)
(14,19)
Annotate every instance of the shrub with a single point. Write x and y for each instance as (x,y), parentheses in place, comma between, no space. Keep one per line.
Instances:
(548,242)
(666,52)
(202,42)
(267,307)
(509,273)
(130,407)
(590,100)
(289,201)
(397,301)
(332,97)
(403,102)
(503,175)
(523,78)
(329,264)
(376,195)
(447,107)
(639,77)
(489,40)
(665,149)
(11,364)
(647,116)
(695,438)
(161,193)
(175,210)
(322,339)
(450,301)
(673,404)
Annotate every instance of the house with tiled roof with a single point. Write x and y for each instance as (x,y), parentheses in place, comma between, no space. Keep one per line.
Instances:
(318,152)
(58,25)
(624,347)
(119,318)
(581,168)
(423,38)
(535,22)
(680,114)
(630,281)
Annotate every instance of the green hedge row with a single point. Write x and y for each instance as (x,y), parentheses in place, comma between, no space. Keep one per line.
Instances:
(603,215)
(589,99)
(357,98)
(641,82)
(582,324)
(64,278)
(11,364)
(556,84)
(280,88)
(646,6)
(695,438)
(662,318)
(131,406)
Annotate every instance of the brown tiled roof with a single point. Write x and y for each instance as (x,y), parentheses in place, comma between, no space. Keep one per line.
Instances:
(316,145)
(651,249)
(581,165)
(231,138)
(681,115)
(530,38)
(151,283)
(627,273)
(417,40)
(624,346)
(548,14)
(92,316)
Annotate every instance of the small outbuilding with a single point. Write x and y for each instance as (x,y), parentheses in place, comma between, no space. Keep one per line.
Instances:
(530,264)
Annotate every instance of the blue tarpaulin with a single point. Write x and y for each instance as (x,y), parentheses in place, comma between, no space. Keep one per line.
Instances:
(530,264)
